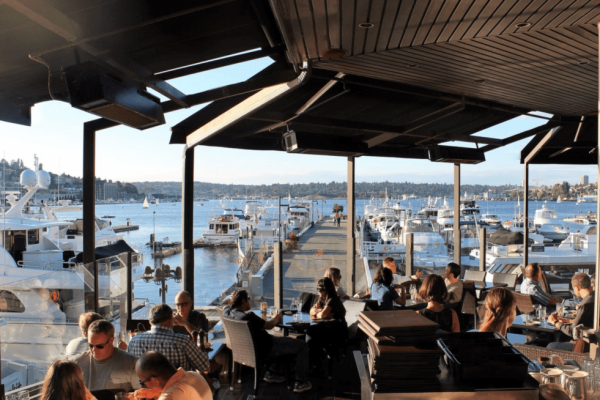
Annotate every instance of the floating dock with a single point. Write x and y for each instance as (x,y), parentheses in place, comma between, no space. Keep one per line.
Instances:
(169,251)
(125,228)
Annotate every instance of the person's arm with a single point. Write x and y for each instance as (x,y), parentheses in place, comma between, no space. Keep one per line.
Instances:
(542,297)
(273,322)
(566,328)
(316,308)
(179,321)
(455,323)
(399,298)
(324,313)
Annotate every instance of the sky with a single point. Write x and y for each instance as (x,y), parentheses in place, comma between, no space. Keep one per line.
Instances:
(126,154)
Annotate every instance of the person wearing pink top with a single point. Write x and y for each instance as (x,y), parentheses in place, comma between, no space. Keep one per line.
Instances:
(158,374)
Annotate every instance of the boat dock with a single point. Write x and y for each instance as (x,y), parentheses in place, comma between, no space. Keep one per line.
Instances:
(125,228)
(169,251)
(320,248)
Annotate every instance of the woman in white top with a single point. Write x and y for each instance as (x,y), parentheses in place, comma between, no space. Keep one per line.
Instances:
(336,276)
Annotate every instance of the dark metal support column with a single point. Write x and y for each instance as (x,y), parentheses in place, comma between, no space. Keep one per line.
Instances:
(350,230)
(482,248)
(408,271)
(526,216)
(92,300)
(278,275)
(129,288)
(456,219)
(597,285)
(187,221)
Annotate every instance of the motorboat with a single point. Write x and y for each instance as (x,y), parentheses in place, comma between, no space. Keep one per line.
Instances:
(583,219)
(547,224)
(222,229)
(298,216)
(492,220)
(48,286)
(430,210)
(429,248)
(469,209)
(445,216)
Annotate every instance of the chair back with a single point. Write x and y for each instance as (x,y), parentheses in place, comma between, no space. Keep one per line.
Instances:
(472,275)
(509,279)
(353,308)
(220,311)
(308,300)
(241,342)
(524,303)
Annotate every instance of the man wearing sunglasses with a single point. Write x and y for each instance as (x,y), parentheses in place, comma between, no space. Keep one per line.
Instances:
(163,380)
(187,320)
(103,365)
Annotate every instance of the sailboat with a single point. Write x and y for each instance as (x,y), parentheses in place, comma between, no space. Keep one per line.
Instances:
(559,200)
(145,202)
(156,202)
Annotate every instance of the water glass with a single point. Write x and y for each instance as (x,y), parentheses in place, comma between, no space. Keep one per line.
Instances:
(551,375)
(542,314)
(299,310)
(588,366)
(560,309)
(24,395)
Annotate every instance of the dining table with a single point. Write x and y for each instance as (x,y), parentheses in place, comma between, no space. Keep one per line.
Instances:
(289,323)
(521,324)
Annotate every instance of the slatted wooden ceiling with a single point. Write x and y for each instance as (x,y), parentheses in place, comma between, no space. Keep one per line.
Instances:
(535,54)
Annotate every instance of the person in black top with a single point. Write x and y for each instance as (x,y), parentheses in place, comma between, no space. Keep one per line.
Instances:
(187,320)
(332,329)
(582,286)
(267,345)
(433,291)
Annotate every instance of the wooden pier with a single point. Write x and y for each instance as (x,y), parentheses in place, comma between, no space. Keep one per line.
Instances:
(125,228)
(320,248)
(169,251)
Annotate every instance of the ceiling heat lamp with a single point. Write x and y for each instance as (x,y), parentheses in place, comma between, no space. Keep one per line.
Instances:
(114,98)
(456,155)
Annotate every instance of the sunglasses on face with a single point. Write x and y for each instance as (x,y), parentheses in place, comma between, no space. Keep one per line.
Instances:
(99,346)
(182,304)
(320,289)
(143,382)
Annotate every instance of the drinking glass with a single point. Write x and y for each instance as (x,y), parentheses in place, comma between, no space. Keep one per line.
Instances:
(299,310)
(551,375)
(542,314)
(24,395)
(294,305)
(271,311)
(588,366)
(536,311)
(560,307)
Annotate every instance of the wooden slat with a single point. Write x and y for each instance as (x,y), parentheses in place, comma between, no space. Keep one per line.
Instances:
(560,10)
(500,14)
(414,22)
(593,17)
(307,26)
(427,22)
(376,18)
(334,18)
(457,16)
(548,8)
(321,26)
(468,20)
(581,13)
(294,27)
(441,21)
(559,20)
(361,14)
(509,21)
(483,17)
(348,25)
(406,7)
(388,20)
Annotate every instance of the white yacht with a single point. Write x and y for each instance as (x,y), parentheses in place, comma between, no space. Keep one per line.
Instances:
(445,216)
(430,210)
(583,219)
(469,209)
(492,220)
(429,247)
(222,229)
(548,225)
(298,216)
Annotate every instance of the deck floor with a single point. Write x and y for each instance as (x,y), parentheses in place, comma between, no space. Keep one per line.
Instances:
(320,248)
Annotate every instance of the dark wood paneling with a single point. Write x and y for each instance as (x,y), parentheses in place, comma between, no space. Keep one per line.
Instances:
(414,23)
(457,16)
(334,18)
(427,22)
(360,16)
(307,26)
(403,15)
(442,18)
(375,17)
(388,20)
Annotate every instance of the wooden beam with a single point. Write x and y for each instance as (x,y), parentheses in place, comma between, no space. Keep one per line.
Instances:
(417,123)
(541,144)
(250,105)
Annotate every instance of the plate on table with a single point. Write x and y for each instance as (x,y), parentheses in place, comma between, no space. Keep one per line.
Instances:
(533,323)
(289,312)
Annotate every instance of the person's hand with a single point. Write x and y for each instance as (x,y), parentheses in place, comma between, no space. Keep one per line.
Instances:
(553,318)
(279,317)
(419,274)
(121,344)
(178,320)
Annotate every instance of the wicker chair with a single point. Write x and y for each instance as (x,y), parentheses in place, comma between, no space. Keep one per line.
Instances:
(509,279)
(524,303)
(476,276)
(243,351)
(535,352)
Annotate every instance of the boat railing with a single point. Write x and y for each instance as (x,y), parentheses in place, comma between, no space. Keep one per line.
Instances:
(51,265)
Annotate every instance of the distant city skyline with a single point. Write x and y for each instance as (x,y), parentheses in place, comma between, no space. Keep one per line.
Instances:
(126,154)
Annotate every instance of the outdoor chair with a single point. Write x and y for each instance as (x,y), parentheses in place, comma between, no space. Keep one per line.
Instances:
(244,353)
(476,276)
(469,305)
(509,279)
(308,300)
(353,308)
(524,303)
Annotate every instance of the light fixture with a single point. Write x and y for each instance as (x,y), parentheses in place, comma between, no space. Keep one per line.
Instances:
(334,53)
(479,81)
(366,25)
(586,62)
(523,25)
(412,65)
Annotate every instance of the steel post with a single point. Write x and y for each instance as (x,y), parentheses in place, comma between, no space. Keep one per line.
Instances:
(350,230)
(187,221)
(456,219)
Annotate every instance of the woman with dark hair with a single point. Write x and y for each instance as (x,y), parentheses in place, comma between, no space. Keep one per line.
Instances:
(383,292)
(433,291)
(332,329)
(64,381)
(336,276)
(500,311)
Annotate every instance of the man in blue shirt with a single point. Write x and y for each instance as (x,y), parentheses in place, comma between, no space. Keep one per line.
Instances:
(531,285)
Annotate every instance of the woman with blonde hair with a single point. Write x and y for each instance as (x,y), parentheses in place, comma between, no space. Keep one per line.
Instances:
(336,276)
(64,381)
(500,311)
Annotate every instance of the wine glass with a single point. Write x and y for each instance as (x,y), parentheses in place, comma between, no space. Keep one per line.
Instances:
(299,310)
(294,305)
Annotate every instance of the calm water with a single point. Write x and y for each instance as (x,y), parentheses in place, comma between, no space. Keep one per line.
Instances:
(215,268)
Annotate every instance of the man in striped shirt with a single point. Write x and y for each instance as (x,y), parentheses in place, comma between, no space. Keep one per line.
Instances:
(531,285)
(179,349)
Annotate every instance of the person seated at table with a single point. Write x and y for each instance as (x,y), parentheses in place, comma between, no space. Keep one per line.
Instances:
(433,291)
(593,280)
(453,285)
(187,320)
(336,276)
(180,349)
(269,346)
(64,381)
(334,329)
(531,285)
(79,345)
(104,366)
(500,311)
(161,379)
(383,292)
(582,286)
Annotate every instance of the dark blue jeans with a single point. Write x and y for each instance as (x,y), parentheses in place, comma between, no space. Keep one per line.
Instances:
(286,346)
